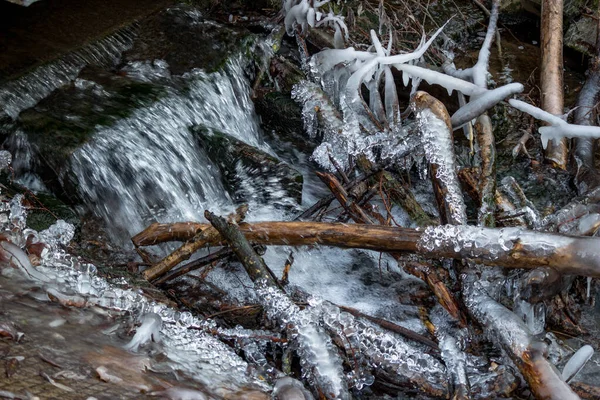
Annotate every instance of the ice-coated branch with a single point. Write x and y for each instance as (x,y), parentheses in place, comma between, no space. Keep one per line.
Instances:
(568,131)
(436,134)
(558,127)
(448,82)
(509,332)
(408,365)
(483,102)
(453,355)
(506,247)
(537,112)
(480,69)
(320,362)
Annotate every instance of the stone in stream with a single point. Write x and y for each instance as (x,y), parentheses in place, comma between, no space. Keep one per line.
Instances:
(250,173)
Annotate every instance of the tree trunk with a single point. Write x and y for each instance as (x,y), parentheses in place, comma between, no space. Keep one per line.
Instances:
(551,74)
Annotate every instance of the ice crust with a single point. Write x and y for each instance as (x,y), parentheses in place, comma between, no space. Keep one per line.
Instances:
(439,150)
(484,243)
(319,360)
(71,280)
(384,351)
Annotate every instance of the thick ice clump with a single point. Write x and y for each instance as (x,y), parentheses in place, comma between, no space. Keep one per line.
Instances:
(321,366)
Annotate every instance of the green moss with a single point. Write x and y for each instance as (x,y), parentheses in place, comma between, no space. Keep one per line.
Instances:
(68,118)
(43,209)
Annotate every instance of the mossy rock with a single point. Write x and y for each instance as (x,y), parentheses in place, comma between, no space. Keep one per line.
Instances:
(185,40)
(43,209)
(282,122)
(250,173)
(68,118)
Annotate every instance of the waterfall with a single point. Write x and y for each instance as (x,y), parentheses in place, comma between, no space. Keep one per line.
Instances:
(148,167)
(26,91)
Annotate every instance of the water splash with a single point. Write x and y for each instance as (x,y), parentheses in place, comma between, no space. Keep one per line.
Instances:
(149,167)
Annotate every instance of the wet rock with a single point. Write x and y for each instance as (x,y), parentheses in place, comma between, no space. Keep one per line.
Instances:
(581,35)
(250,173)
(282,122)
(186,40)
(43,209)
(69,117)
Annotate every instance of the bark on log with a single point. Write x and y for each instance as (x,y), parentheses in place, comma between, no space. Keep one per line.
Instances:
(161,233)
(551,73)
(194,244)
(252,262)
(487,183)
(506,247)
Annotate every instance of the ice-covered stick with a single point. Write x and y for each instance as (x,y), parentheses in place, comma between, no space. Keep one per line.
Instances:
(321,364)
(481,103)
(558,127)
(405,364)
(505,247)
(436,134)
(506,329)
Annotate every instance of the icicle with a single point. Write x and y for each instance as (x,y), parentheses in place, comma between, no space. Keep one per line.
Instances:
(577,362)
(437,78)
(479,104)
(310,17)
(569,131)
(148,332)
(392,108)
(377,44)
(354,99)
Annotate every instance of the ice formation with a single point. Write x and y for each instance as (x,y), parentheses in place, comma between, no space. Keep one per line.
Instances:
(481,103)
(558,128)
(383,350)
(321,365)
(439,150)
(73,282)
(577,362)
(306,14)
(148,332)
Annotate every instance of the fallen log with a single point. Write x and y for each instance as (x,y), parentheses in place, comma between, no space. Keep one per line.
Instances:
(192,244)
(506,247)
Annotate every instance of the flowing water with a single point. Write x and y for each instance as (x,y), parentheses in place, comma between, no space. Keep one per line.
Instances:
(149,166)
